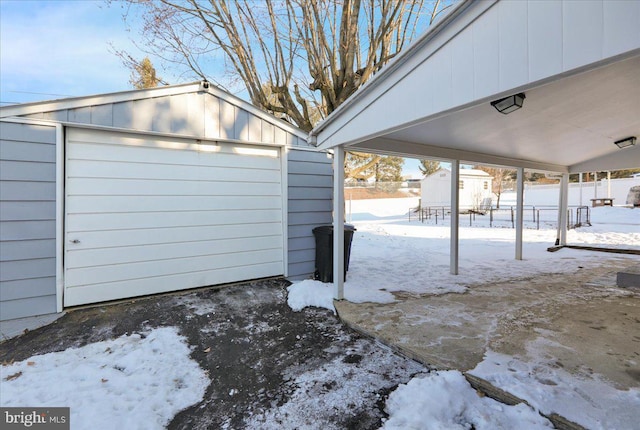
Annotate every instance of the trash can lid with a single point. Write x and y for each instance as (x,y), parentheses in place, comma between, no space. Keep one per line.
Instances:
(329,228)
(323,229)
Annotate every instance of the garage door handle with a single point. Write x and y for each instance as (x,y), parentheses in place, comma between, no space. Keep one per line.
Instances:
(75,241)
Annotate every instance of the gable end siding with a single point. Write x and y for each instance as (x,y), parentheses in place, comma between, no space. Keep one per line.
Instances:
(196,114)
(27,220)
(310,205)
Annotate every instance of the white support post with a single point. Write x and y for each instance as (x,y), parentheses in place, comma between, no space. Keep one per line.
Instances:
(595,185)
(455,215)
(580,180)
(338,222)
(519,212)
(563,207)
(608,184)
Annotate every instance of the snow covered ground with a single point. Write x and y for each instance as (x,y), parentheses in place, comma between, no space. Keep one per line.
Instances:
(136,381)
(392,254)
(151,376)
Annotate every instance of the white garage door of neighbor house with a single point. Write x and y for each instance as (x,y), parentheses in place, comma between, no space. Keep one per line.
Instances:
(152,214)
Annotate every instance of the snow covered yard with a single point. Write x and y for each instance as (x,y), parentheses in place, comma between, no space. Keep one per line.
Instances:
(143,378)
(391,253)
(241,358)
(398,284)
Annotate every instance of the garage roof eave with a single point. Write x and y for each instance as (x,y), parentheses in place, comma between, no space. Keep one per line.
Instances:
(92,100)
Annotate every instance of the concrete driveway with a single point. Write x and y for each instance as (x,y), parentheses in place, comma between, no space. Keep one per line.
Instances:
(580,323)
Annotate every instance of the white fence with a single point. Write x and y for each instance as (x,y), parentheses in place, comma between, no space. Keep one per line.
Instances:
(579,194)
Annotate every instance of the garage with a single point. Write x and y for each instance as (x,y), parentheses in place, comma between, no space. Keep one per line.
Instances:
(150,191)
(146,214)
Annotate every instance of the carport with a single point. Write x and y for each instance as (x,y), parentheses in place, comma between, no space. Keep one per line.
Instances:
(574,67)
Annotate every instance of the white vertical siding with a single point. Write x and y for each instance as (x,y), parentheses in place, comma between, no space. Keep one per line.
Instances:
(507,46)
(545,53)
(462,77)
(486,56)
(583,32)
(513,43)
(620,22)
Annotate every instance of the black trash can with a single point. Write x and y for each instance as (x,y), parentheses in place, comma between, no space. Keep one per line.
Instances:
(324,251)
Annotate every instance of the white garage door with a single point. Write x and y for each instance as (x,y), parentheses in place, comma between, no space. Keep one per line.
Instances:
(151,214)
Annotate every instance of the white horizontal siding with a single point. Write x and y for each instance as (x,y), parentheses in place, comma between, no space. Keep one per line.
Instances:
(186,235)
(310,196)
(174,219)
(170,266)
(176,214)
(158,203)
(161,284)
(27,220)
(168,251)
(149,187)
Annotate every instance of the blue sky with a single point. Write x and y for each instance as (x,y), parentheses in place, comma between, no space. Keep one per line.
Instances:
(64,48)
(53,49)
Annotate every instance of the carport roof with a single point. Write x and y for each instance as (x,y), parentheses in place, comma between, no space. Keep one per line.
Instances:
(577,62)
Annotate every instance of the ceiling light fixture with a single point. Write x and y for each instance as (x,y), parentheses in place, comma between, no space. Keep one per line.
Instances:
(626,142)
(509,104)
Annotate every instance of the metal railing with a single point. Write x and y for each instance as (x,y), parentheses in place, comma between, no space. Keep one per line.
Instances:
(500,217)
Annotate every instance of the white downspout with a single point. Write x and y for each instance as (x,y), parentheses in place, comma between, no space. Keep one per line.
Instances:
(338,222)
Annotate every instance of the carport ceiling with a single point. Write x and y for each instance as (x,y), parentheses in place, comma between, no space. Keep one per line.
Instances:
(570,122)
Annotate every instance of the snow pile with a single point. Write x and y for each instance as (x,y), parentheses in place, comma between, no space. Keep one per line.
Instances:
(318,294)
(549,389)
(142,378)
(445,400)
(310,293)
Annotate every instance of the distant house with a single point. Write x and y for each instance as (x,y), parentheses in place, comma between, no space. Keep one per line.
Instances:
(474,185)
(141,192)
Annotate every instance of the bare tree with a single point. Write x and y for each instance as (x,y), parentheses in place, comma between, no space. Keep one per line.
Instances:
(310,54)
(362,167)
(499,175)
